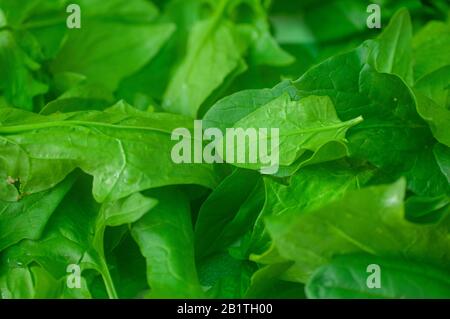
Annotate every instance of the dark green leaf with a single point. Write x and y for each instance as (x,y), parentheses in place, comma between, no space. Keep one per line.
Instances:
(347,277)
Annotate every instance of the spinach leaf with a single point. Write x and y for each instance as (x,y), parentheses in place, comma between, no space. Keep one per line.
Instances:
(67,239)
(228,111)
(392,51)
(225,276)
(427,209)
(219,43)
(35,282)
(265,283)
(186,92)
(82,52)
(228,212)
(369,220)
(27,218)
(431,45)
(442,156)
(95,140)
(432,103)
(166,239)
(305,125)
(18,82)
(75,234)
(347,276)
(354,83)
(356,171)
(310,188)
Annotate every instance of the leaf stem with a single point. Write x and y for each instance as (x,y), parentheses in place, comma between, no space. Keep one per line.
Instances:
(109,284)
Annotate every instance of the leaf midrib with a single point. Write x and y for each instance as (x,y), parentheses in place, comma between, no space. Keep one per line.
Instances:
(29,127)
(347,124)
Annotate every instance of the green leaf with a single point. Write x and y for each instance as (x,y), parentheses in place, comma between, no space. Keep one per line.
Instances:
(425,177)
(205,67)
(139,225)
(17,12)
(442,156)
(137,11)
(119,33)
(17,79)
(427,209)
(369,220)
(228,111)
(392,51)
(215,51)
(225,276)
(266,283)
(267,51)
(92,50)
(386,104)
(126,210)
(437,117)
(67,239)
(228,212)
(251,17)
(121,212)
(304,126)
(347,277)
(27,218)
(75,234)
(184,14)
(392,137)
(115,146)
(127,265)
(81,97)
(35,282)
(435,86)
(310,188)
(304,22)
(166,239)
(431,48)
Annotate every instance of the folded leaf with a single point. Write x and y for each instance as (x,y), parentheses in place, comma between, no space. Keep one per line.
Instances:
(228,212)
(392,51)
(166,239)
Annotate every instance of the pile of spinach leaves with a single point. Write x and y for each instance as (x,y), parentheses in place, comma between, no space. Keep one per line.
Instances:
(86,177)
